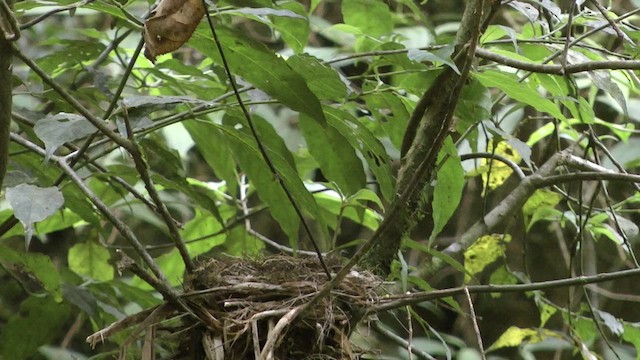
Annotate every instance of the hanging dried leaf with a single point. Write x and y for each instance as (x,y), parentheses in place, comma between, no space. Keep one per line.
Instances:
(171,26)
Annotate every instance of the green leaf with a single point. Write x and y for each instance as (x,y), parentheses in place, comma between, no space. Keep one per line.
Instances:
(337,159)
(171,265)
(448,189)
(412,244)
(372,17)
(331,201)
(474,105)
(364,195)
(502,276)
(37,264)
(541,198)
(214,148)
(519,91)
(246,153)
(37,323)
(610,321)
(31,204)
(262,68)
(442,55)
(321,79)
(632,335)
(72,53)
(390,111)
(546,312)
(201,227)
(294,28)
(367,144)
(91,260)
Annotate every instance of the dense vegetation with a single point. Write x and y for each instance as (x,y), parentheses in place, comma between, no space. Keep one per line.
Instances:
(478,155)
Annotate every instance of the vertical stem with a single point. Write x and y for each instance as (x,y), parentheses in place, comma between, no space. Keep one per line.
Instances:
(6,86)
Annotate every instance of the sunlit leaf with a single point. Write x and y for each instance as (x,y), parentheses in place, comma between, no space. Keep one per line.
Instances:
(92,260)
(515,336)
(484,251)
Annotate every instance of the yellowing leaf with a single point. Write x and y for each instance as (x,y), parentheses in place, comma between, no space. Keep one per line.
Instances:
(546,312)
(541,198)
(515,336)
(499,170)
(483,252)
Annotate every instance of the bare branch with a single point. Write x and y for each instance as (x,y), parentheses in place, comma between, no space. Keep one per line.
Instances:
(398,301)
(559,69)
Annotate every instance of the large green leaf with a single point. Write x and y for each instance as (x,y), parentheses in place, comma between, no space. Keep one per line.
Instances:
(519,91)
(214,149)
(31,204)
(321,79)
(294,30)
(261,67)
(361,139)
(337,159)
(449,185)
(246,153)
(391,112)
(372,17)
(91,260)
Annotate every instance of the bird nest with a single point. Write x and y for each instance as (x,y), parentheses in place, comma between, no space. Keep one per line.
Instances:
(248,309)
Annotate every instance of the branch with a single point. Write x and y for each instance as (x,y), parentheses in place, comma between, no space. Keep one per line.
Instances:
(398,301)
(510,205)
(559,69)
(7,24)
(428,127)
(143,170)
(541,178)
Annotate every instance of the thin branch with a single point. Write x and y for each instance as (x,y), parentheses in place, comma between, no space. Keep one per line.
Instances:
(559,69)
(57,10)
(124,230)
(143,170)
(398,301)
(620,36)
(474,321)
(8,22)
(6,87)
(505,160)
(400,341)
(97,169)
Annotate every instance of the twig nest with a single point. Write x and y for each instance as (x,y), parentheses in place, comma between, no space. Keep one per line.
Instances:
(247,299)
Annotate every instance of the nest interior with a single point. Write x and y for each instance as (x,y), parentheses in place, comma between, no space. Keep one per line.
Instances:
(246,298)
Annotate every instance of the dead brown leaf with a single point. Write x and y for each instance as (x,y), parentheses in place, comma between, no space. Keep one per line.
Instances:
(171,26)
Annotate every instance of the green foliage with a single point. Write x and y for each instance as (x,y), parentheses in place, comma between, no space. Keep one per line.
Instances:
(329,87)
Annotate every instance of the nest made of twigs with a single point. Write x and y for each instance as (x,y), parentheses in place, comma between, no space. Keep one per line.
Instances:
(235,308)
(248,298)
